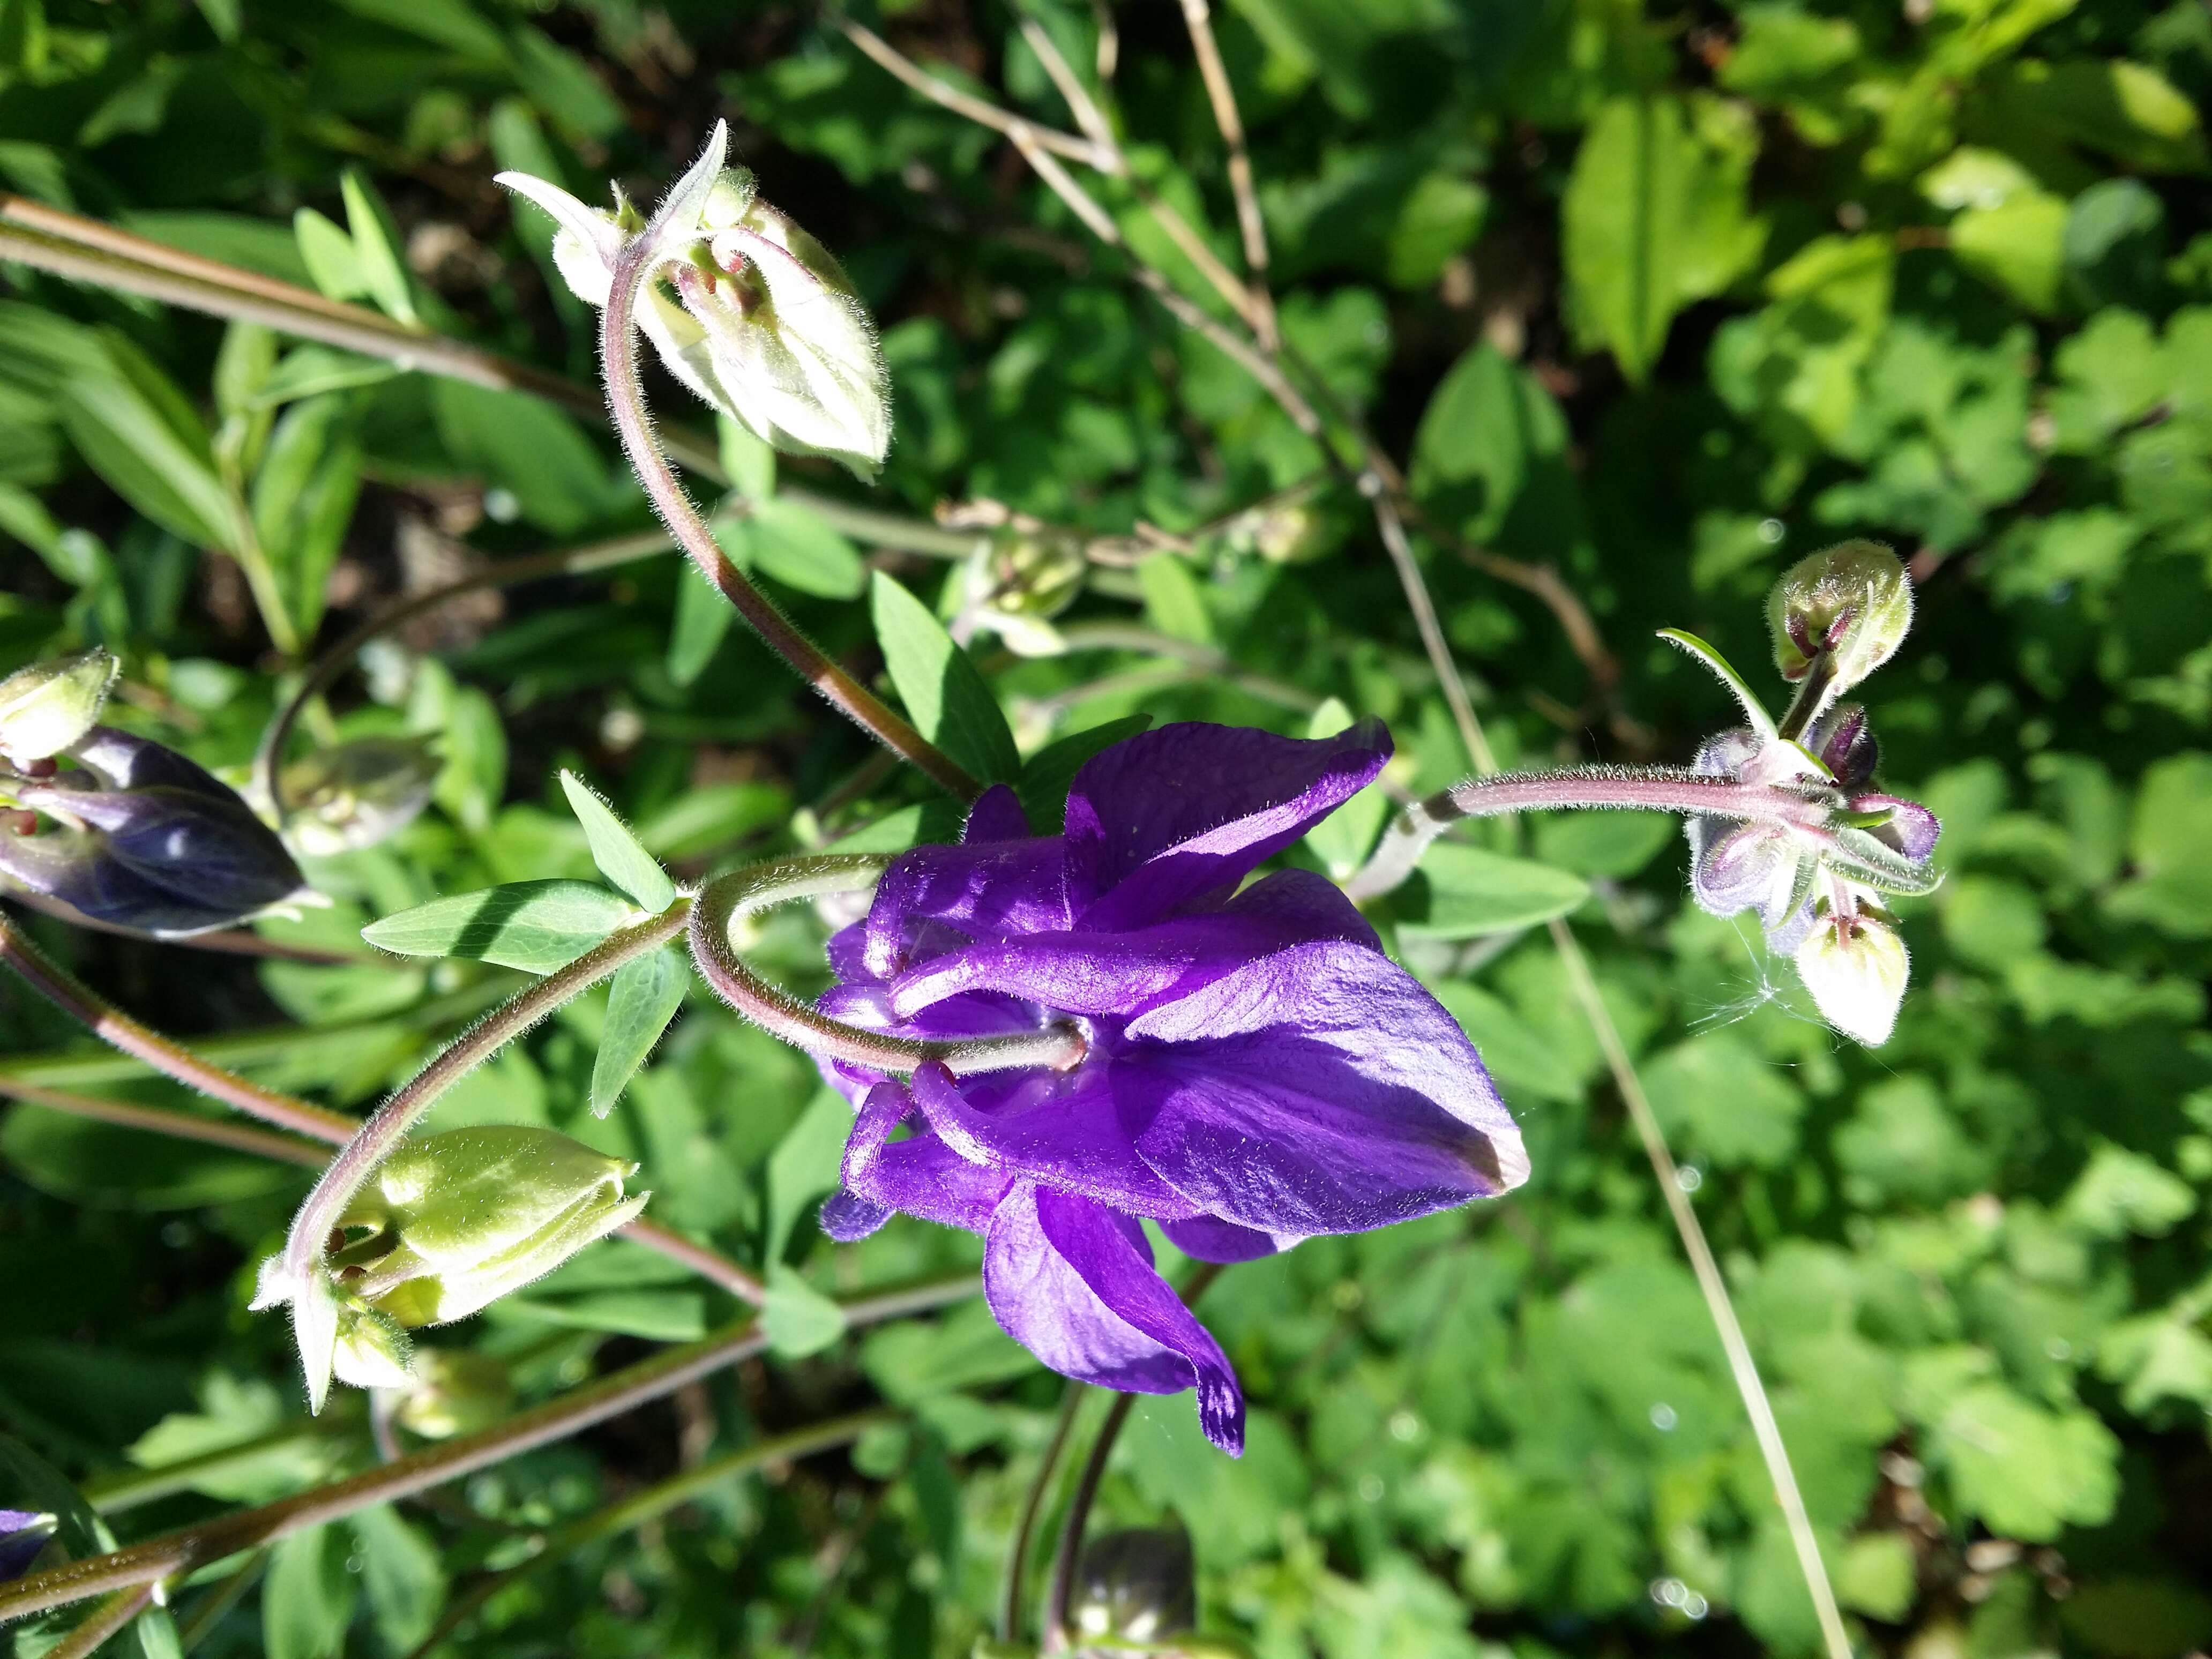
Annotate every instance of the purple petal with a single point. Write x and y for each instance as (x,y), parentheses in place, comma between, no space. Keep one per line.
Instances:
(1088,973)
(1320,1090)
(1186,812)
(1061,1130)
(997,814)
(1740,867)
(933,898)
(1208,1238)
(1912,829)
(848,1217)
(1073,1283)
(921,1175)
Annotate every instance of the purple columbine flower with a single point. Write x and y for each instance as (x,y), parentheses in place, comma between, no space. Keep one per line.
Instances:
(145,839)
(1256,1070)
(23,1533)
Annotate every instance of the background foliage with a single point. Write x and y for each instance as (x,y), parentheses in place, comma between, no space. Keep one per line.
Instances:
(1661,295)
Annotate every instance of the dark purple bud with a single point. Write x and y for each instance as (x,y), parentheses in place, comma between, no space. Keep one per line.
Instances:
(1139,1585)
(23,1533)
(145,839)
(1846,746)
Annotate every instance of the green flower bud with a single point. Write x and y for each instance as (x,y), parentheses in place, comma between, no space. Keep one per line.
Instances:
(371,1350)
(47,706)
(452,1222)
(1138,1586)
(358,793)
(1852,601)
(1855,967)
(455,1391)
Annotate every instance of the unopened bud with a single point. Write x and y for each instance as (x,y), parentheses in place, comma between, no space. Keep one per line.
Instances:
(47,706)
(1852,602)
(371,1350)
(357,794)
(455,1391)
(1288,532)
(23,1534)
(1140,1585)
(1855,967)
(451,1222)
(141,838)
(763,324)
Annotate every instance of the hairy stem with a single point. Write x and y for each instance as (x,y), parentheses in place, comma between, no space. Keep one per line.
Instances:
(1069,1554)
(175,1554)
(641,1507)
(111,1025)
(1017,1551)
(388,1125)
(727,901)
(626,398)
(1628,788)
(107,1619)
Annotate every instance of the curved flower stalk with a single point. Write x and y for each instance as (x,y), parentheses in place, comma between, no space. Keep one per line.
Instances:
(130,833)
(745,307)
(1253,1069)
(1782,815)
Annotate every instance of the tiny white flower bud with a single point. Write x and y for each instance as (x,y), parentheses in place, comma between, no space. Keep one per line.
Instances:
(47,706)
(1855,967)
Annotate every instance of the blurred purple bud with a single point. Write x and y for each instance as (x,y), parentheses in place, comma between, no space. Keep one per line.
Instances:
(23,1533)
(1845,745)
(145,839)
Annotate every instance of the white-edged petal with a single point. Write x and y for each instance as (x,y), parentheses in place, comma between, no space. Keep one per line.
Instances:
(677,216)
(592,238)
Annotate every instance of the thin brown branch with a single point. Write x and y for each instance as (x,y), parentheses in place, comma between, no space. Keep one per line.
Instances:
(944,93)
(180,1126)
(1199,17)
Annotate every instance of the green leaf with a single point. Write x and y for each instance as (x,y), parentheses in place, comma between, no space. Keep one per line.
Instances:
(1471,892)
(702,619)
(1525,1065)
(332,260)
(805,1166)
(110,1167)
(1654,218)
(524,445)
(563,86)
(535,926)
(616,850)
(750,462)
(376,242)
(1613,844)
(2123,1192)
(644,998)
(945,696)
(657,1315)
(401,1573)
(1174,602)
(796,546)
(713,819)
(307,1599)
(2017,246)
(452,24)
(1343,840)
(1491,457)
(302,502)
(2025,1472)
(2172,889)
(1726,1102)
(798,1319)
(308,369)
(124,438)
